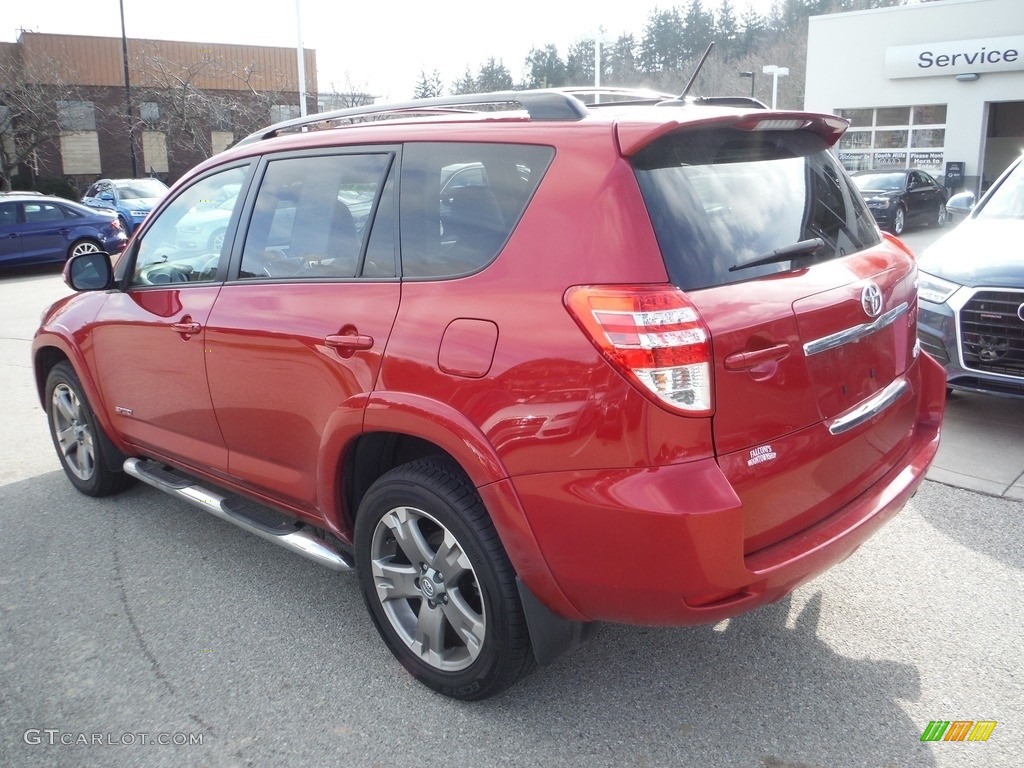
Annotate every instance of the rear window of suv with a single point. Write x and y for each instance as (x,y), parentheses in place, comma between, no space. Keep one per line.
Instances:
(461,200)
(720,199)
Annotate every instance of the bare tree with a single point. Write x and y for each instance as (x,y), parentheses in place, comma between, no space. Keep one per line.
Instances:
(173,102)
(183,108)
(29,114)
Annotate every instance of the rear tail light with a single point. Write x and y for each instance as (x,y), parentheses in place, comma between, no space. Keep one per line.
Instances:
(654,335)
(115,225)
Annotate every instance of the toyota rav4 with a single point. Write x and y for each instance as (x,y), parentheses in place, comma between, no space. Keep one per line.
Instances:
(523,363)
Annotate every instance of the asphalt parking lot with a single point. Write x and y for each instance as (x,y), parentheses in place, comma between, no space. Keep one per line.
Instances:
(126,619)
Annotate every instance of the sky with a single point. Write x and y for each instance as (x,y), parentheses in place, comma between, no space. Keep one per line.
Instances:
(378,47)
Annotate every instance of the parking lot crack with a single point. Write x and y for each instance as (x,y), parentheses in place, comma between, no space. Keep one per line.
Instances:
(140,638)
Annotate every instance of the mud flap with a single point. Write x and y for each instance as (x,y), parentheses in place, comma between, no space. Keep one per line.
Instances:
(550,634)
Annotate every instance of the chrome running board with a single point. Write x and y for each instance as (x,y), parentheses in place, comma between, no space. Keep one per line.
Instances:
(247,515)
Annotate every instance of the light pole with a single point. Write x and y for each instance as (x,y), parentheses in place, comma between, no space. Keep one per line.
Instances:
(302,58)
(598,39)
(752,76)
(128,96)
(776,73)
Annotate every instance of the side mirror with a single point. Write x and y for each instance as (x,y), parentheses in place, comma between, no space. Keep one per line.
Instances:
(960,204)
(107,196)
(89,272)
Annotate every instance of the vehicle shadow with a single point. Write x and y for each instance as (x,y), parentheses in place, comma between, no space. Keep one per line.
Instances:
(23,271)
(765,690)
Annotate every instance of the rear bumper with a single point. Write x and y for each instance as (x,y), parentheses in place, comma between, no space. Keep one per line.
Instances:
(665,545)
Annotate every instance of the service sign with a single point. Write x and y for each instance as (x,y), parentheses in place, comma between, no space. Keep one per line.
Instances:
(955,57)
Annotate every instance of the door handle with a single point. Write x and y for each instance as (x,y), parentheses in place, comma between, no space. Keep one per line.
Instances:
(744,361)
(352,341)
(186,328)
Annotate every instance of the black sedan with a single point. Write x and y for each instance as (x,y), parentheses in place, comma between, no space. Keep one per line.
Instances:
(38,229)
(971,293)
(900,198)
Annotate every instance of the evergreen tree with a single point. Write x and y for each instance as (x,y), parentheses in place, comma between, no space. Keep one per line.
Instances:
(428,86)
(753,35)
(619,62)
(580,63)
(545,69)
(662,47)
(727,32)
(465,84)
(494,76)
(698,30)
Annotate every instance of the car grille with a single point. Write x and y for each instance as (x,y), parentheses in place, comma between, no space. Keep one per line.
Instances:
(992,333)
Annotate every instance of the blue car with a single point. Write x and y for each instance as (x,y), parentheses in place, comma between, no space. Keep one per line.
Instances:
(38,229)
(133,199)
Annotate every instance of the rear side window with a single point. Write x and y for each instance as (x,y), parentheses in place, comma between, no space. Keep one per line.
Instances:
(461,201)
(721,199)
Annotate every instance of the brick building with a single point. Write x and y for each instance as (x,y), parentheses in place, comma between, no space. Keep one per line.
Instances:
(188,101)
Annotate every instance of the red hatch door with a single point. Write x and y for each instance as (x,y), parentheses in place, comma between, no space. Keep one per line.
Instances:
(800,348)
(857,340)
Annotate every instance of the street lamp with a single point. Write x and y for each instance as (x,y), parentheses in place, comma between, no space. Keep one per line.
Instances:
(776,73)
(751,75)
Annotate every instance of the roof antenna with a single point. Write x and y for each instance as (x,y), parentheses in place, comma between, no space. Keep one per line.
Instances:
(693,77)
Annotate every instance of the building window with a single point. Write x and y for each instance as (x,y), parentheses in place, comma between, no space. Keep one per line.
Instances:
(154,150)
(220,117)
(894,137)
(77,115)
(149,111)
(281,112)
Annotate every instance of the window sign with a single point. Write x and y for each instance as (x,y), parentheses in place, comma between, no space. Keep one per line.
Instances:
(890,160)
(929,161)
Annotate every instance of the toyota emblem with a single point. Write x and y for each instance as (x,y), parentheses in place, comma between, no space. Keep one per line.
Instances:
(871,300)
(1020,311)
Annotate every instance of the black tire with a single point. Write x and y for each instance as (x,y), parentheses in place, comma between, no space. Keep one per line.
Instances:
(899,220)
(124,225)
(80,443)
(445,567)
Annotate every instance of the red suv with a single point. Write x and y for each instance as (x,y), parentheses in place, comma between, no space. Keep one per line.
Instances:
(525,364)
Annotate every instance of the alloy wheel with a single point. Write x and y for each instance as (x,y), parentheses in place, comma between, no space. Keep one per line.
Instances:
(428,589)
(72,432)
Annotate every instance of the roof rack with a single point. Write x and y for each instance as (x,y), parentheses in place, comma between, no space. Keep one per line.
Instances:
(598,97)
(619,97)
(544,104)
(570,103)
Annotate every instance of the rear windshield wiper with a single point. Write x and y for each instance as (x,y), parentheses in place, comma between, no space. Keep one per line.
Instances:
(786,253)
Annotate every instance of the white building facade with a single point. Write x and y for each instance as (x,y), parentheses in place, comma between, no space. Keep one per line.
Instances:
(937,86)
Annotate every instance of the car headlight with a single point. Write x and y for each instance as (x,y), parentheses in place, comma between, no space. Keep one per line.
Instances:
(934,289)
(139,214)
(880,202)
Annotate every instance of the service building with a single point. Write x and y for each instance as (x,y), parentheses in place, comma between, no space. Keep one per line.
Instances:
(937,85)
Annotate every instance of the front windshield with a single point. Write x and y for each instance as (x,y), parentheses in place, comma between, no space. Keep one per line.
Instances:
(137,189)
(884,182)
(1007,201)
